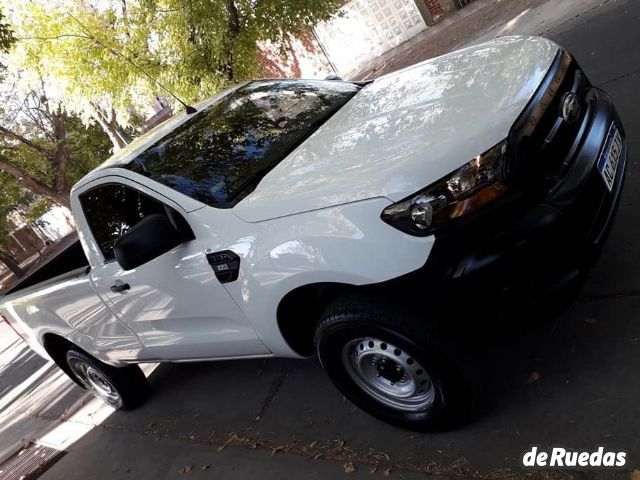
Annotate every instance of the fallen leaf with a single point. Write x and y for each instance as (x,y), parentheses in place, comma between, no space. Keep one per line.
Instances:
(312,444)
(186,469)
(349,467)
(205,467)
(222,447)
(379,457)
(387,472)
(373,470)
(635,475)
(534,377)
(277,449)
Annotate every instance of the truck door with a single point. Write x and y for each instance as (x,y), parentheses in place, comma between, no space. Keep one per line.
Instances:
(174,302)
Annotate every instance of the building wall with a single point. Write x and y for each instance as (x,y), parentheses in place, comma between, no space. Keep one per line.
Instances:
(299,57)
(435,10)
(448,5)
(26,240)
(366,29)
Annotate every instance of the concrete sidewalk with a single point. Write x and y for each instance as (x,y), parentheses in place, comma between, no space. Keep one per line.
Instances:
(480,21)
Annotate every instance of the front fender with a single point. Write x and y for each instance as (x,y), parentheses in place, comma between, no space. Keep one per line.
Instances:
(347,244)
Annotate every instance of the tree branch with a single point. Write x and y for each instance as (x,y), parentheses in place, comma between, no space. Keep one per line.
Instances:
(22,139)
(109,126)
(57,37)
(33,184)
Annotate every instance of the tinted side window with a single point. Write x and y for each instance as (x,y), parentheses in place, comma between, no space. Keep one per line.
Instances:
(112,209)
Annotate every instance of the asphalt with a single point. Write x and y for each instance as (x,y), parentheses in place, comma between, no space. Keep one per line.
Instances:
(569,380)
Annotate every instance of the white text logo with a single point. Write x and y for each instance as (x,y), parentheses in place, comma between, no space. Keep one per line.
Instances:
(560,457)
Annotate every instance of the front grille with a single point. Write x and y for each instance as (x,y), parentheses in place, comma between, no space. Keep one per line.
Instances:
(543,143)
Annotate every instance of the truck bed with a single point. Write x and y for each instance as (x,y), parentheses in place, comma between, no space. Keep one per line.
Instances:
(71,260)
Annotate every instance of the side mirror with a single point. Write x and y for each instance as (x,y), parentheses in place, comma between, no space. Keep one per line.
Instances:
(149,238)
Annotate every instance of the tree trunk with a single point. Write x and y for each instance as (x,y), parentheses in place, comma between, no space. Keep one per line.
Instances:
(12,264)
(234,29)
(35,185)
(62,154)
(110,127)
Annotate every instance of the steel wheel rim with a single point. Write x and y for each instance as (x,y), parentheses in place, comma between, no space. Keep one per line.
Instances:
(96,381)
(388,374)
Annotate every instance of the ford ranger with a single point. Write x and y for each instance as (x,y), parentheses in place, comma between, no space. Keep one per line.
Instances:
(294,218)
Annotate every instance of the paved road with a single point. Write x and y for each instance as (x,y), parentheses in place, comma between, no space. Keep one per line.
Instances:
(587,360)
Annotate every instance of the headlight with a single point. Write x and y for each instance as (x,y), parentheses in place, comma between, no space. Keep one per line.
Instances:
(469,188)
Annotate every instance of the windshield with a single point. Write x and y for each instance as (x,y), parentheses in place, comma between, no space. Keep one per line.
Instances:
(220,155)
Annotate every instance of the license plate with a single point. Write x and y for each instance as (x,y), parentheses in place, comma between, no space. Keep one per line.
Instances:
(608,163)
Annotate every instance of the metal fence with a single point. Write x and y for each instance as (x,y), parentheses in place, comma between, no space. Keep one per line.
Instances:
(462,3)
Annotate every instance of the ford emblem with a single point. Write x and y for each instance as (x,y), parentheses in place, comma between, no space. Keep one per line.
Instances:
(571,108)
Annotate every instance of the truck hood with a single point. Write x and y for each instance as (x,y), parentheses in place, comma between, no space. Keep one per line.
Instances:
(407,129)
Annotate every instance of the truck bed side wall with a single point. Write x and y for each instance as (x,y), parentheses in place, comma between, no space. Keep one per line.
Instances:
(71,309)
(69,259)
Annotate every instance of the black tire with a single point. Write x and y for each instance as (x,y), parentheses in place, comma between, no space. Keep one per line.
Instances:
(352,318)
(122,388)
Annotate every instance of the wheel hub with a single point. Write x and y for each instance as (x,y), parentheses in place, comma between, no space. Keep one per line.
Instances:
(96,381)
(388,374)
(389,370)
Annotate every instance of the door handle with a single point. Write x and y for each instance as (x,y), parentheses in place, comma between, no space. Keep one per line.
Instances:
(120,287)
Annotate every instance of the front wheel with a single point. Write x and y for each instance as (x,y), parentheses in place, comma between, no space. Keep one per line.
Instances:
(389,365)
(121,388)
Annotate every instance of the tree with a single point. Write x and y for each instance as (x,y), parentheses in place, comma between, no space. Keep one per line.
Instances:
(6,35)
(12,197)
(43,151)
(44,148)
(9,194)
(103,57)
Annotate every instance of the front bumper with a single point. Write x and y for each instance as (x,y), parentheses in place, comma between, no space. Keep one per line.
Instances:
(545,241)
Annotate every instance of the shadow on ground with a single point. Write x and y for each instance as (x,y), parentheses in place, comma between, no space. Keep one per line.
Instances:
(568,381)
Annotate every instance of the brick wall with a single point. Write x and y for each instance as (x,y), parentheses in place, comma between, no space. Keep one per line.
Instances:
(435,9)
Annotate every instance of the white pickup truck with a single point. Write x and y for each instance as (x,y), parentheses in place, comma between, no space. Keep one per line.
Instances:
(297,217)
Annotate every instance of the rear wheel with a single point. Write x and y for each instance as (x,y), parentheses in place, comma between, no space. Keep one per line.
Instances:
(121,388)
(387,363)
